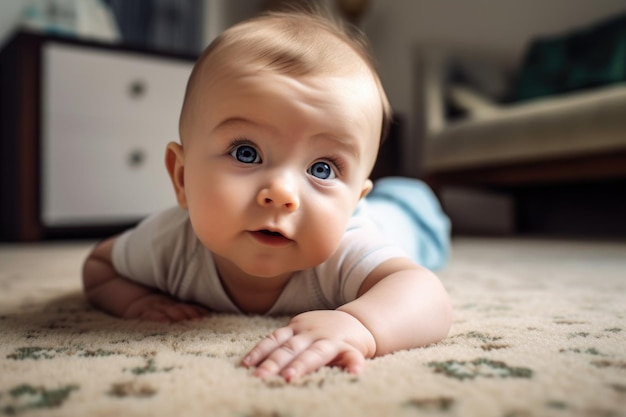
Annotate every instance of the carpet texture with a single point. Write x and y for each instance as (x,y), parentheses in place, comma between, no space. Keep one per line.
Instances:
(539,330)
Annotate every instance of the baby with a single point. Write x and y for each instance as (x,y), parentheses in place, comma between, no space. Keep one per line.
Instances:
(280,128)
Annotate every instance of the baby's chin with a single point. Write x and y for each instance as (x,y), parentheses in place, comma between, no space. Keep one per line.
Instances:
(277,269)
(272,272)
(275,265)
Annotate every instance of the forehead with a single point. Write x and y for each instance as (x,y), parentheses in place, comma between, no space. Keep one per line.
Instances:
(328,58)
(351,81)
(339,103)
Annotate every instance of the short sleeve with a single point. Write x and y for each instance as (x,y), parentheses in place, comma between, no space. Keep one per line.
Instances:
(145,253)
(362,249)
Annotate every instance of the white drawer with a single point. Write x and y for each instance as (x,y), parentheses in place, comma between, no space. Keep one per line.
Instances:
(107,117)
(110,84)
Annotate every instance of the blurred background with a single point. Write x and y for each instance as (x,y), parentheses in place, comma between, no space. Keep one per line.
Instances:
(513,111)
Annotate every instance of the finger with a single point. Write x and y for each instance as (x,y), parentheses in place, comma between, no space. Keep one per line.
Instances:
(314,357)
(267,346)
(351,360)
(174,312)
(155,315)
(203,311)
(282,356)
(193,312)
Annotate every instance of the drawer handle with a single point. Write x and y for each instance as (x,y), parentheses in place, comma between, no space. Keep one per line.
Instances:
(137,89)
(136,158)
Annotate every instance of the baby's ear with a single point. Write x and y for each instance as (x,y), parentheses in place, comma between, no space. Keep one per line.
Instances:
(175,167)
(367,187)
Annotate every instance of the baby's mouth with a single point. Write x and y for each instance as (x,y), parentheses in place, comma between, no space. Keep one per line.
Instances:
(270,237)
(270,233)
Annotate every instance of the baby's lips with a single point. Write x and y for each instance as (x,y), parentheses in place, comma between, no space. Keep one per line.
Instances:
(270,238)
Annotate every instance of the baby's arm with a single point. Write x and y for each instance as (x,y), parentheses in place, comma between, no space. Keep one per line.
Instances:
(404,306)
(117,295)
(400,306)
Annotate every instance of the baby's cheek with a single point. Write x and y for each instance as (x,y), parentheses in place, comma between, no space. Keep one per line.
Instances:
(326,240)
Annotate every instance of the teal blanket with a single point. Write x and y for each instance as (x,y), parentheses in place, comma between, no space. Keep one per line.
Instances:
(582,59)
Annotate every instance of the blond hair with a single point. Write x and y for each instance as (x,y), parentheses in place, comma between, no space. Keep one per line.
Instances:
(296,43)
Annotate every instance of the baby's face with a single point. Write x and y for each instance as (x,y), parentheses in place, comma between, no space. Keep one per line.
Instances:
(274,166)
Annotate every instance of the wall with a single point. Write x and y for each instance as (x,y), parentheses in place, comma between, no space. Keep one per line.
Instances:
(396,27)
(220,14)
(10,14)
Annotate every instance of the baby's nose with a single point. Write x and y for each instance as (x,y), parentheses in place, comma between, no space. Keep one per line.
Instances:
(280,193)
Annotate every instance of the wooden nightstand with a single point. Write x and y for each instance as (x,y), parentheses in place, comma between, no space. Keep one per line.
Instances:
(84,128)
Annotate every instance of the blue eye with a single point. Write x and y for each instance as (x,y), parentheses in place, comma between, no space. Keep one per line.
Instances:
(246,154)
(322,171)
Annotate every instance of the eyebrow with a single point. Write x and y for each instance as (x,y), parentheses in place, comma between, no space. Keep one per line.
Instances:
(235,120)
(337,141)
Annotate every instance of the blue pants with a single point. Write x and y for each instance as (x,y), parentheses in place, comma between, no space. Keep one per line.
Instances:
(408,213)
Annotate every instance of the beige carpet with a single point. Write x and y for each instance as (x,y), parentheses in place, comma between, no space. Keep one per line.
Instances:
(539,330)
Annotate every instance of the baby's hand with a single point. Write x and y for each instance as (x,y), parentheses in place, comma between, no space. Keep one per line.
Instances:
(310,341)
(160,307)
